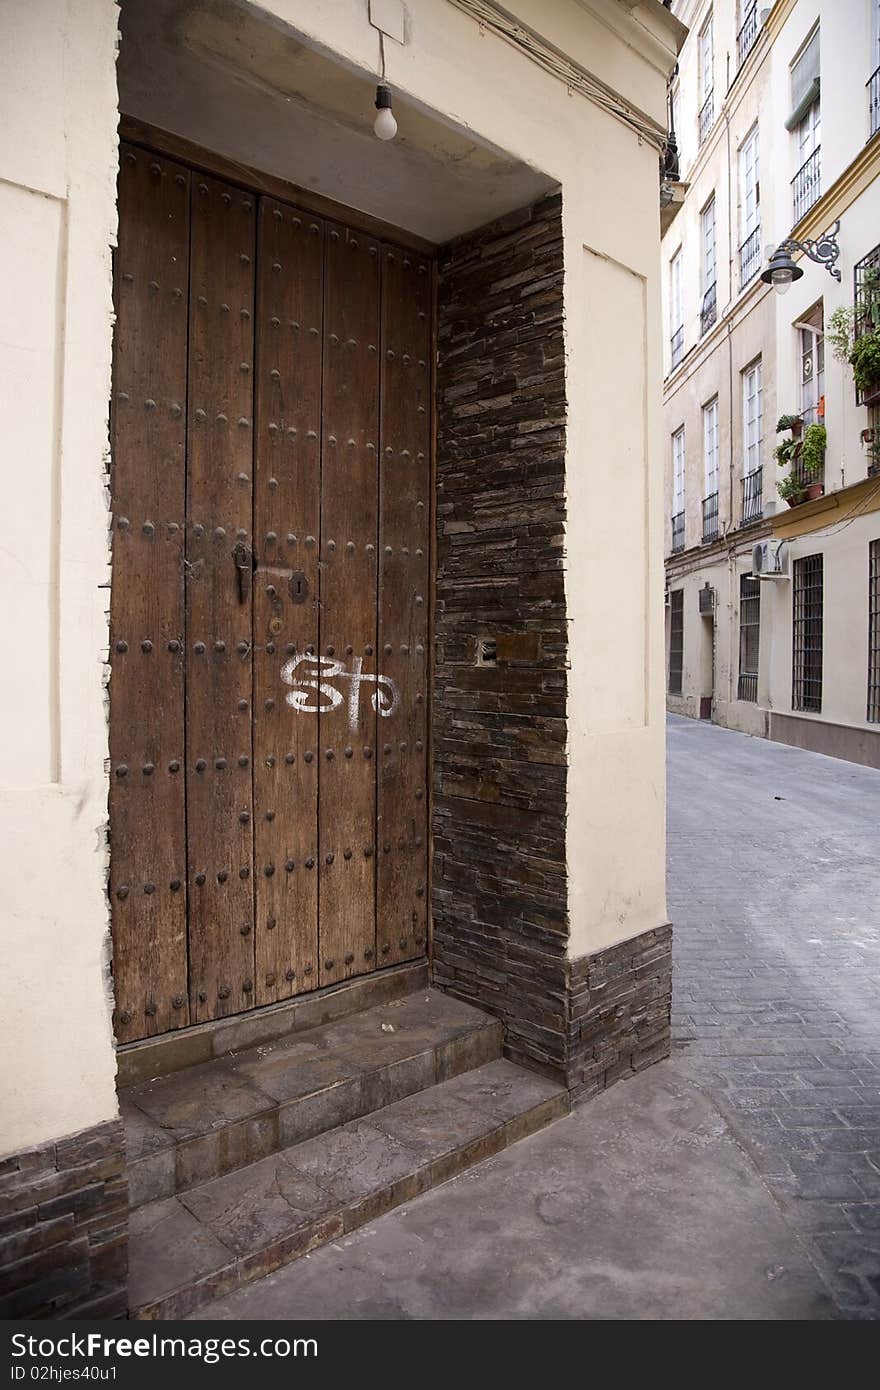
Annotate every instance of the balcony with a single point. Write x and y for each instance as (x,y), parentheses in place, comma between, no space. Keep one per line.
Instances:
(874,103)
(750,258)
(752,497)
(710,518)
(805,185)
(677,532)
(676,344)
(707,116)
(811,482)
(709,311)
(745,39)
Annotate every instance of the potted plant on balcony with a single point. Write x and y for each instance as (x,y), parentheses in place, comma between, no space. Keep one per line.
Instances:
(794,423)
(791,489)
(812,460)
(864,358)
(855,338)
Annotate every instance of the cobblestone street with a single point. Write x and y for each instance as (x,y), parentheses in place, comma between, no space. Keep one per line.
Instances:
(738,1180)
(773,890)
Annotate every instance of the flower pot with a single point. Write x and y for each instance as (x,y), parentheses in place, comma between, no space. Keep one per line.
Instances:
(871,396)
(797,429)
(815,490)
(797,499)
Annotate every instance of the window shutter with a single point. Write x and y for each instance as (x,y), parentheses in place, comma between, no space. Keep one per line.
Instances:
(804,82)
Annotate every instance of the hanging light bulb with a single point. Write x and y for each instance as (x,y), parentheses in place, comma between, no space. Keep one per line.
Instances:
(385,126)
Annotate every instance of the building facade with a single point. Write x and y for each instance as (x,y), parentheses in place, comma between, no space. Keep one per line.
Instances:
(777,120)
(311,434)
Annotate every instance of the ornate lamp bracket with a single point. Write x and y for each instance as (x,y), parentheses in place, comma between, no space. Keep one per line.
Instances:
(824,250)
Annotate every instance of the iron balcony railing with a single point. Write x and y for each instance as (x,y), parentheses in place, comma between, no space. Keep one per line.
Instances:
(710,517)
(805,185)
(678,532)
(709,311)
(707,116)
(745,39)
(753,496)
(750,258)
(874,103)
(805,478)
(676,343)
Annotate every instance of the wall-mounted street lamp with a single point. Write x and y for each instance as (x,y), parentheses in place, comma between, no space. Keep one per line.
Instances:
(781,269)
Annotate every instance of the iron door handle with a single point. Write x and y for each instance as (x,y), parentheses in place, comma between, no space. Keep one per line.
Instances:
(244,566)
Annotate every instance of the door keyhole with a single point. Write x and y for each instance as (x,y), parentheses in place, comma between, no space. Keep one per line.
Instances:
(298,587)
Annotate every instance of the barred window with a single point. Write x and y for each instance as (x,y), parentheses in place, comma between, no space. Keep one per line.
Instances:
(874,632)
(749,636)
(807,600)
(676,640)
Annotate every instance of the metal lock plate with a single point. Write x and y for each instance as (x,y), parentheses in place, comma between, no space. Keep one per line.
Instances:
(298,586)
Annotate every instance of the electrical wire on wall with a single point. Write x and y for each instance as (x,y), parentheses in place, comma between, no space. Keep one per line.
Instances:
(494,20)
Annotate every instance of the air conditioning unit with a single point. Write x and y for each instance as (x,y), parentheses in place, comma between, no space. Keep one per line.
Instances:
(770,560)
(707,600)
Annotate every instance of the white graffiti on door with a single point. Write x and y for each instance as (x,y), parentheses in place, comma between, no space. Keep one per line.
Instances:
(312,676)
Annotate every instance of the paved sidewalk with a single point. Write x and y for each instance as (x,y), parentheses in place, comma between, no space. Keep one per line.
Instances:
(740,1179)
(774,880)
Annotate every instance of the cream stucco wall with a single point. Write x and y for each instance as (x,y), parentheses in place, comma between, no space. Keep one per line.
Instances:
(57,215)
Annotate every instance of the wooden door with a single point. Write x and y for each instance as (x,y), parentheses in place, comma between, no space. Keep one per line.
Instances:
(269,609)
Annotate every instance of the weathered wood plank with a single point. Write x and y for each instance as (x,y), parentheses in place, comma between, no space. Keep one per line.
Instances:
(287,525)
(404,576)
(348,626)
(219,628)
(147,838)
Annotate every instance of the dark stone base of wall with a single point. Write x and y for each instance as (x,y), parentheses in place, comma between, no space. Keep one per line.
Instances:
(586,1022)
(64,1228)
(619,1019)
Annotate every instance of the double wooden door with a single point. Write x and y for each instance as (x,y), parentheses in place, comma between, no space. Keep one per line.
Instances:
(269,614)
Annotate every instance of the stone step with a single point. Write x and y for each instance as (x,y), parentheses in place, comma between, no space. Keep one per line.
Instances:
(186,1250)
(194,1125)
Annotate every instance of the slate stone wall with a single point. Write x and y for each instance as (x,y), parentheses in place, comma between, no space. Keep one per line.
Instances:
(64,1228)
(499,886)
(619,1019)
(500,907)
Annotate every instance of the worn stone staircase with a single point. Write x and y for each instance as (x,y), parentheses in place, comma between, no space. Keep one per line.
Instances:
(245,1162)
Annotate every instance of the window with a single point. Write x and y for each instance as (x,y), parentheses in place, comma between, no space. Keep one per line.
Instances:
(678,490)
(749,208)
(706,77)
(805,122)
(707,241)
(749,636)
(811,346)
(753,435)
(676,313)
(874,79)
(710,470)
(676,640)
(710,445)
(748,30)
(678,127)
(806,686)
(866,282)
(874,632)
